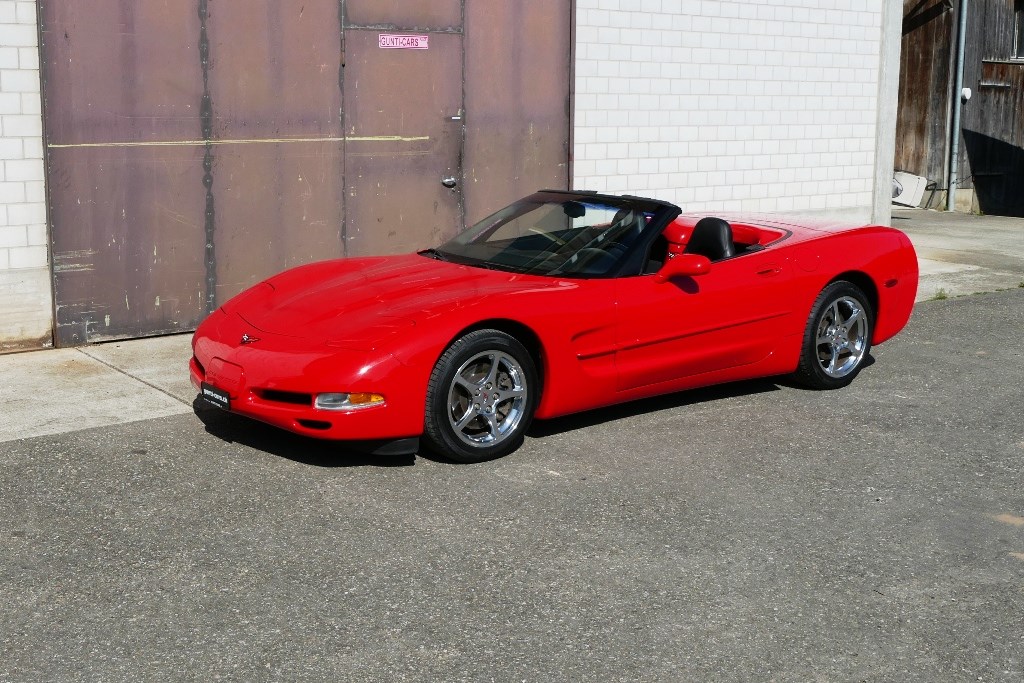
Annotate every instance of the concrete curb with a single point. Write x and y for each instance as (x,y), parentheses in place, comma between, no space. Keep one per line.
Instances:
(964,254)
(62,390)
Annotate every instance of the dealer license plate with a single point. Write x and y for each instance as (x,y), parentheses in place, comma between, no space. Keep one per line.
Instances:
(217,397)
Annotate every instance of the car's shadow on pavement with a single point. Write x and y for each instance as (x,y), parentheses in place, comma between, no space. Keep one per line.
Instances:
(680,399)
(321,453)
(591,418)
(275,441)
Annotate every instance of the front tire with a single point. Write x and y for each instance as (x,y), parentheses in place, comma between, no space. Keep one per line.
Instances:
(837,338)
(481,397)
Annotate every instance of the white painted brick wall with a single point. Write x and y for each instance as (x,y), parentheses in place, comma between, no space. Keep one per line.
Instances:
(25,290)
(716,105)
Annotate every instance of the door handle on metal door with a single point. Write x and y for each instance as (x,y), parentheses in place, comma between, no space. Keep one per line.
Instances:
(770,270)
(449,181)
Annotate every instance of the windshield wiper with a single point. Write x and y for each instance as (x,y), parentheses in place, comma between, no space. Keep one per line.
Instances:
(472,262)
(434,254)
(504,267)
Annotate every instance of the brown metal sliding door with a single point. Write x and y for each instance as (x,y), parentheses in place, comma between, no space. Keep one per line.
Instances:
(196,147)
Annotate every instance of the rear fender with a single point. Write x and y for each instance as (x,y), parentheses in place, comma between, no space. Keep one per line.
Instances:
(883,256)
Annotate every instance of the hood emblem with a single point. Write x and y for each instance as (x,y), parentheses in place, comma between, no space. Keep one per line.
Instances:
(246,339)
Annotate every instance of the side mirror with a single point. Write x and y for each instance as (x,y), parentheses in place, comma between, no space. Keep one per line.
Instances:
(683,264)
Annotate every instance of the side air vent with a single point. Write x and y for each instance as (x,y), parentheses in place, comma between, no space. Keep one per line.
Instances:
(314,424)
(291,397)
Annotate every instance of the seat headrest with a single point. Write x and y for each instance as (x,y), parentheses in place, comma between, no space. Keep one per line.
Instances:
(712,237)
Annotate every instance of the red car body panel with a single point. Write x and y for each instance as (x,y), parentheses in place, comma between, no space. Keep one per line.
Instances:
(380,324)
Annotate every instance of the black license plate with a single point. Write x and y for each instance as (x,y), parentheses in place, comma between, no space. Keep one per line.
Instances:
(217,397)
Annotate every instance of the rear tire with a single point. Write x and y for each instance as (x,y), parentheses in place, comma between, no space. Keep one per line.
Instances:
(481,397)
(837,339)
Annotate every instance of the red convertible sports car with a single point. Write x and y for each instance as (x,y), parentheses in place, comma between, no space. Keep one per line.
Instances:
(561,302)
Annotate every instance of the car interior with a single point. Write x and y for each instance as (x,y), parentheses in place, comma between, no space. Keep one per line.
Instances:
(577,239)
(712,237)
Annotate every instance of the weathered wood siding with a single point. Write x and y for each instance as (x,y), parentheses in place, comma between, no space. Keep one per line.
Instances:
(991,142)
(992,155)
(921,131)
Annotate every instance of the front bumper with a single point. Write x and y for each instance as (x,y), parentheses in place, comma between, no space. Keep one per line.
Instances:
(275,380)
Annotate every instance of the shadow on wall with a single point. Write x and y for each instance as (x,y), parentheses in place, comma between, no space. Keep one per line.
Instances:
(998,174)
(920,14)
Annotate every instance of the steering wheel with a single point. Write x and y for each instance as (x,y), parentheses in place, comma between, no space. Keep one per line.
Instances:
(590,261)
(554,238)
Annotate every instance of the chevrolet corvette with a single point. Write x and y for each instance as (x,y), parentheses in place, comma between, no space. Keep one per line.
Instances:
(561,302)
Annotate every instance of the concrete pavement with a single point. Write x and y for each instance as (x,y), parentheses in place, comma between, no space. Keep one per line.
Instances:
(63,390)
(56,391)
(964,254)
(749,532)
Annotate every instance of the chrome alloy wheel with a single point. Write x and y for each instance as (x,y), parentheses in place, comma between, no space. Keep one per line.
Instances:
(842,337)
(487,398)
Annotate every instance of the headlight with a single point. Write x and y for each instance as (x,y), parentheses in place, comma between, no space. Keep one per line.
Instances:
(347,401)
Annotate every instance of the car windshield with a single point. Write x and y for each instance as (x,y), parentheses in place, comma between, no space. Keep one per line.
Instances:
(552,235)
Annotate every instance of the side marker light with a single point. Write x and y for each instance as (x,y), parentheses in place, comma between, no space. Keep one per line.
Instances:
(339,401)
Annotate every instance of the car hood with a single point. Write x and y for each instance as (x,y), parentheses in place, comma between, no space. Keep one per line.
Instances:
(356,302)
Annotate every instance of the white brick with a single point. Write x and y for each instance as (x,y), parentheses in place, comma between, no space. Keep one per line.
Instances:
(5,259)
(26,13)
(586,33)
(10,103)
(28,58)
(11,193)
(28,257)
(24,169)
(627,167)
(13,236)
(605,167)
(31,104)
(38,236)
(26,214)
(584,168)
(24,126)
(34,191)
(33,148)
(12,148)
(18,35)
(9,58)
(19,81)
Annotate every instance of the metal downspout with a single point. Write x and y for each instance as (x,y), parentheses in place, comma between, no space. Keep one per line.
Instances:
(954,133)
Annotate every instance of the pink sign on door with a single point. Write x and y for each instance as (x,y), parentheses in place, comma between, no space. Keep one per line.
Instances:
(395,41)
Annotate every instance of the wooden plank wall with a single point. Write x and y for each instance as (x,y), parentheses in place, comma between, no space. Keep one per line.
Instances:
(921,130)
(992,121)
(992,156)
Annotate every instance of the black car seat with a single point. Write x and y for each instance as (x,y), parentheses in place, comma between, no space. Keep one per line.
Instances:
(712,237)
(626,225)
(624,229)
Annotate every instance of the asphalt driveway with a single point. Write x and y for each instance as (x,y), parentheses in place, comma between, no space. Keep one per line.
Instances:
(756,531)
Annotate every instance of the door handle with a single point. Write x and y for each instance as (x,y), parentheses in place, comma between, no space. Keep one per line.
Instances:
(449,182)
(770,270)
